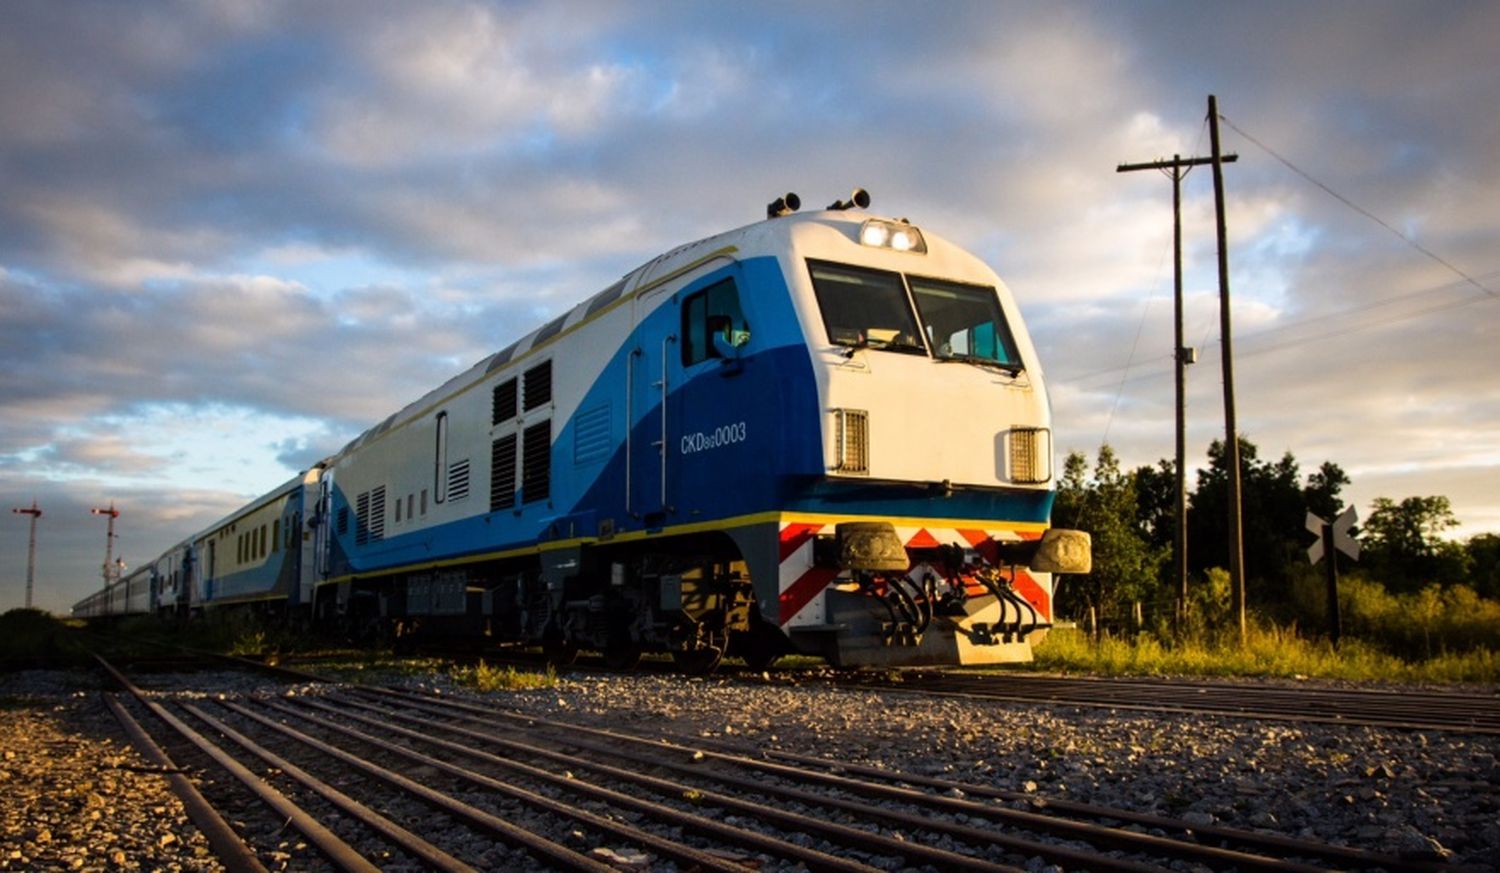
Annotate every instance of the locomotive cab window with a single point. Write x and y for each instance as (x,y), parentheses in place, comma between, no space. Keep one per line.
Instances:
(865,308)
(713,325)
(964,322)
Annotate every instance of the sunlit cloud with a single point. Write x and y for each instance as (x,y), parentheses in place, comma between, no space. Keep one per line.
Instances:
(236,234)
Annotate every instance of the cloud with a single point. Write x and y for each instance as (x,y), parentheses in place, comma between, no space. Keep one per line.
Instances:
(291,220)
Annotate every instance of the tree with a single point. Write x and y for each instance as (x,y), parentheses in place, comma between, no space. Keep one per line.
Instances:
(1275,505)
(1484,564)
(1322,492)
(1404,546)
(1125,564)
(1156,502)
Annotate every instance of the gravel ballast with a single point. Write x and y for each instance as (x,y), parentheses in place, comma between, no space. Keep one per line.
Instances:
(76,796)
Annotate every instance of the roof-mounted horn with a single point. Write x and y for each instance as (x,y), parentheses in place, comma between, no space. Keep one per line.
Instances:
(860,199)
(784,205)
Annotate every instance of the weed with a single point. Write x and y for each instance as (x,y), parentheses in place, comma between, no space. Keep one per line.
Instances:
(1268,651)
(485,678)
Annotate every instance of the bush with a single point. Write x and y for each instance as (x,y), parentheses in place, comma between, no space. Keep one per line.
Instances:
(1269,651)
(1423,624)
(27,634)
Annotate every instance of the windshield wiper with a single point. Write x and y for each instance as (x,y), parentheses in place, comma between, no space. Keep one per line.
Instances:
(881,346)
(1014,369)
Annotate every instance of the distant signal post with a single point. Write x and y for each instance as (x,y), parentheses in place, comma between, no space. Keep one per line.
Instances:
(109,539)
(30,549)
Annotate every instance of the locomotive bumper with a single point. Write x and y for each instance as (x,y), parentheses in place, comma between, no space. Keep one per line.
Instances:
(859,636)
(905,597)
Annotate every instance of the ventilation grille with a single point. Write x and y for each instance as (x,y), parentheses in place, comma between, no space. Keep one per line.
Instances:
(377,514)
(503,473)
(369,517)
(362,519)
(591,439)
(536,462)
(538,387)
(504,402)
(458,480)
(852,436)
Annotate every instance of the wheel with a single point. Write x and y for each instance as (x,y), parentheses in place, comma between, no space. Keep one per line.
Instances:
(760,657)
(758,649)
(622,655)
(760,646)
(558,651)
(704,659)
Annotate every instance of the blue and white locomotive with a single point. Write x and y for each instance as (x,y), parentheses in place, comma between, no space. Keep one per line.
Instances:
(824,433)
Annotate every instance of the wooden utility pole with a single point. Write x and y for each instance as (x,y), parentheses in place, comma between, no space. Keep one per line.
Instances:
(1231,431)
(1177,169)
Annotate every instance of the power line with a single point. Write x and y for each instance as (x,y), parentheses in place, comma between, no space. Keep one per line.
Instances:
(1343,330)
(1361,210)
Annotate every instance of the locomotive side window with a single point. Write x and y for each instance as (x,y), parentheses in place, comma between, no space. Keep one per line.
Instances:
(712,323)
(964,322)
(863,307)
(440,461)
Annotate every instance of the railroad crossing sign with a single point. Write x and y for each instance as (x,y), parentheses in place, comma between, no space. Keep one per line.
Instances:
(1341,538)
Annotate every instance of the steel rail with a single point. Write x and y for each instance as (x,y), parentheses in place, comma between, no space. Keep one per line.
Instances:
(340,853)
(1285,845)
(1472,707)
(1456,713)
(813,859)
(539,846)
(222,839)
(915,852)
(1293,846)
(849,836)
(416,846)
(1092,833)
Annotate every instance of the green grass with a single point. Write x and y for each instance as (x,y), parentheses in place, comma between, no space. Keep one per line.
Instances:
(1267,652)
(485,678)
(27,634)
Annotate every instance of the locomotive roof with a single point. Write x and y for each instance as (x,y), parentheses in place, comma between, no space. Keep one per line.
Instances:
(771,234)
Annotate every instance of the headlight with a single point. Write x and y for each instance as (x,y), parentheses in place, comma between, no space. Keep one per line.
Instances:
(894,235)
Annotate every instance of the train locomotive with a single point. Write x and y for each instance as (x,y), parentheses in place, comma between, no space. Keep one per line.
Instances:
(823,433)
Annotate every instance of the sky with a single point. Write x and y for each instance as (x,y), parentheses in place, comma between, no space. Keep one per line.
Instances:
(234,234)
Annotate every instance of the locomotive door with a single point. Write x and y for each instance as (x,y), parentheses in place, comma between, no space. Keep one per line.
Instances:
(678,406)
(652,372)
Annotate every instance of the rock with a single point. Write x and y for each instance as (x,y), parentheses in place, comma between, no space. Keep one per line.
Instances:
(1413,845)
(624,859)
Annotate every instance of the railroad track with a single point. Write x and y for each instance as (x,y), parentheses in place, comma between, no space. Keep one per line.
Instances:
(1453,711)
(376,777)
(1402,709)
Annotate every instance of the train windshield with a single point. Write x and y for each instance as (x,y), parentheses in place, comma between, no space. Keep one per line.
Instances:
(865,308)
(963,322)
